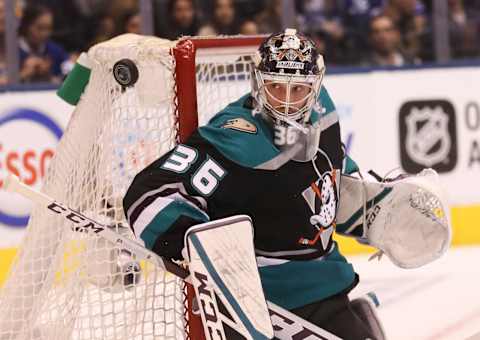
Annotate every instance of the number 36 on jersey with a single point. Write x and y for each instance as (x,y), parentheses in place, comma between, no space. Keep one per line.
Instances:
(207,177)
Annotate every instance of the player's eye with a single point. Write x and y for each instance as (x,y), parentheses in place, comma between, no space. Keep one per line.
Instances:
(299,89)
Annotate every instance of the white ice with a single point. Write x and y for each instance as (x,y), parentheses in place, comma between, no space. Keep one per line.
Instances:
(440,301)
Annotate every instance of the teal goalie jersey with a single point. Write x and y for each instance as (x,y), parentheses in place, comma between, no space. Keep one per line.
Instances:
(227,168)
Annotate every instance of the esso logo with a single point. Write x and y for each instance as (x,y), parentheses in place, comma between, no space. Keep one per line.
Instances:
(27,142)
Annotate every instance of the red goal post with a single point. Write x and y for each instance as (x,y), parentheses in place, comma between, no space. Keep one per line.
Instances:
(185,54)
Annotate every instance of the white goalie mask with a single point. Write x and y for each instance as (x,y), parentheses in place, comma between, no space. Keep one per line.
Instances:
(286,83)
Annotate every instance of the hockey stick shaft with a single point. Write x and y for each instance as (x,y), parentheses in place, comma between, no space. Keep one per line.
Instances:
(289,325)
(83,224)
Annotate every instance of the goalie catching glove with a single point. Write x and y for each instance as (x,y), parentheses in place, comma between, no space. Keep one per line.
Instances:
(407,218)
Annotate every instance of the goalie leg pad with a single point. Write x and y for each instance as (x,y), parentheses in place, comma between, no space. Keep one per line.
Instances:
(226,280)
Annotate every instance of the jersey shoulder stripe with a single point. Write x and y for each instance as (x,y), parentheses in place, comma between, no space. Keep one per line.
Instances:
(328,115)
(161,215)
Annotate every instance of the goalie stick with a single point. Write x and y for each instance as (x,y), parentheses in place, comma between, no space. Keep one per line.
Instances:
(287,326)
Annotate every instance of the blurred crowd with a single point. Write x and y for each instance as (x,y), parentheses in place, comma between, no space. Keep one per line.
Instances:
(52,33)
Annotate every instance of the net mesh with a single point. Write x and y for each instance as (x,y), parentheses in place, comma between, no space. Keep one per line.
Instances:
(70,285)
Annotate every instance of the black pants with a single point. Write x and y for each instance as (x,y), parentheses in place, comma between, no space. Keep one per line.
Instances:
(336,315)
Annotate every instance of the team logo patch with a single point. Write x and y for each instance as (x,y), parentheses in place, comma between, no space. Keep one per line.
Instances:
(240,124)
(322,198)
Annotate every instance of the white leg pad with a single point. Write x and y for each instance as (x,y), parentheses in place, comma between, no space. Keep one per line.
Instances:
(224,272)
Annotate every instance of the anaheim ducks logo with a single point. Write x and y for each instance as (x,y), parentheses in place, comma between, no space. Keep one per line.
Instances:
(290,47)
(322,198)
(240,124)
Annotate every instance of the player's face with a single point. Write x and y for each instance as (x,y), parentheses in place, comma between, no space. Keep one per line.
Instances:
(289,97)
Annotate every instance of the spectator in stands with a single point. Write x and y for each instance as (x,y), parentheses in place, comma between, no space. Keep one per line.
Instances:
(104,29)
(224,19)
(464,27)
(247,9)
(118,8)
(336,53)
(40,58)
(356,15)
(248,27)
(131,23)
(321,15)
(385,42)
(182,20)
(323,19)
(75,21)
(270,19)
(409,17)
(3,66)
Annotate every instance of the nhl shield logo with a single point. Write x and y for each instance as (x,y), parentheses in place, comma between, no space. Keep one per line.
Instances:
(428,136)
(428,141)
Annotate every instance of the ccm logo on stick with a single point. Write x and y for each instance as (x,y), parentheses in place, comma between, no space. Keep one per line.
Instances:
(83,224)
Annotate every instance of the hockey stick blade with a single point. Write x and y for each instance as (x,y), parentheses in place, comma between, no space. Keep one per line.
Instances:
(287,326)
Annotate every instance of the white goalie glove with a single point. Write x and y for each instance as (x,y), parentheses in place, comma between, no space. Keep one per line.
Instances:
(408,219)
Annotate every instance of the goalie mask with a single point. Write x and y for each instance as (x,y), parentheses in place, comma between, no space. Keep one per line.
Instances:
(286,80)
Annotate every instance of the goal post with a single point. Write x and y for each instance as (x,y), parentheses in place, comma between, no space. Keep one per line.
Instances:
(227,50)
(72,285)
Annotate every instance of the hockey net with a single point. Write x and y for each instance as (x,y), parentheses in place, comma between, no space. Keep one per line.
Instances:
(70,285)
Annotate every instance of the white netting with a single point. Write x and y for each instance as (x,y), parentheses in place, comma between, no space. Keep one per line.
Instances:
(68,285)
(220,81)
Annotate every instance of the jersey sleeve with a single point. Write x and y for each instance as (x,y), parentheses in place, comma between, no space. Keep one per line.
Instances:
(330,143)
(161,204)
